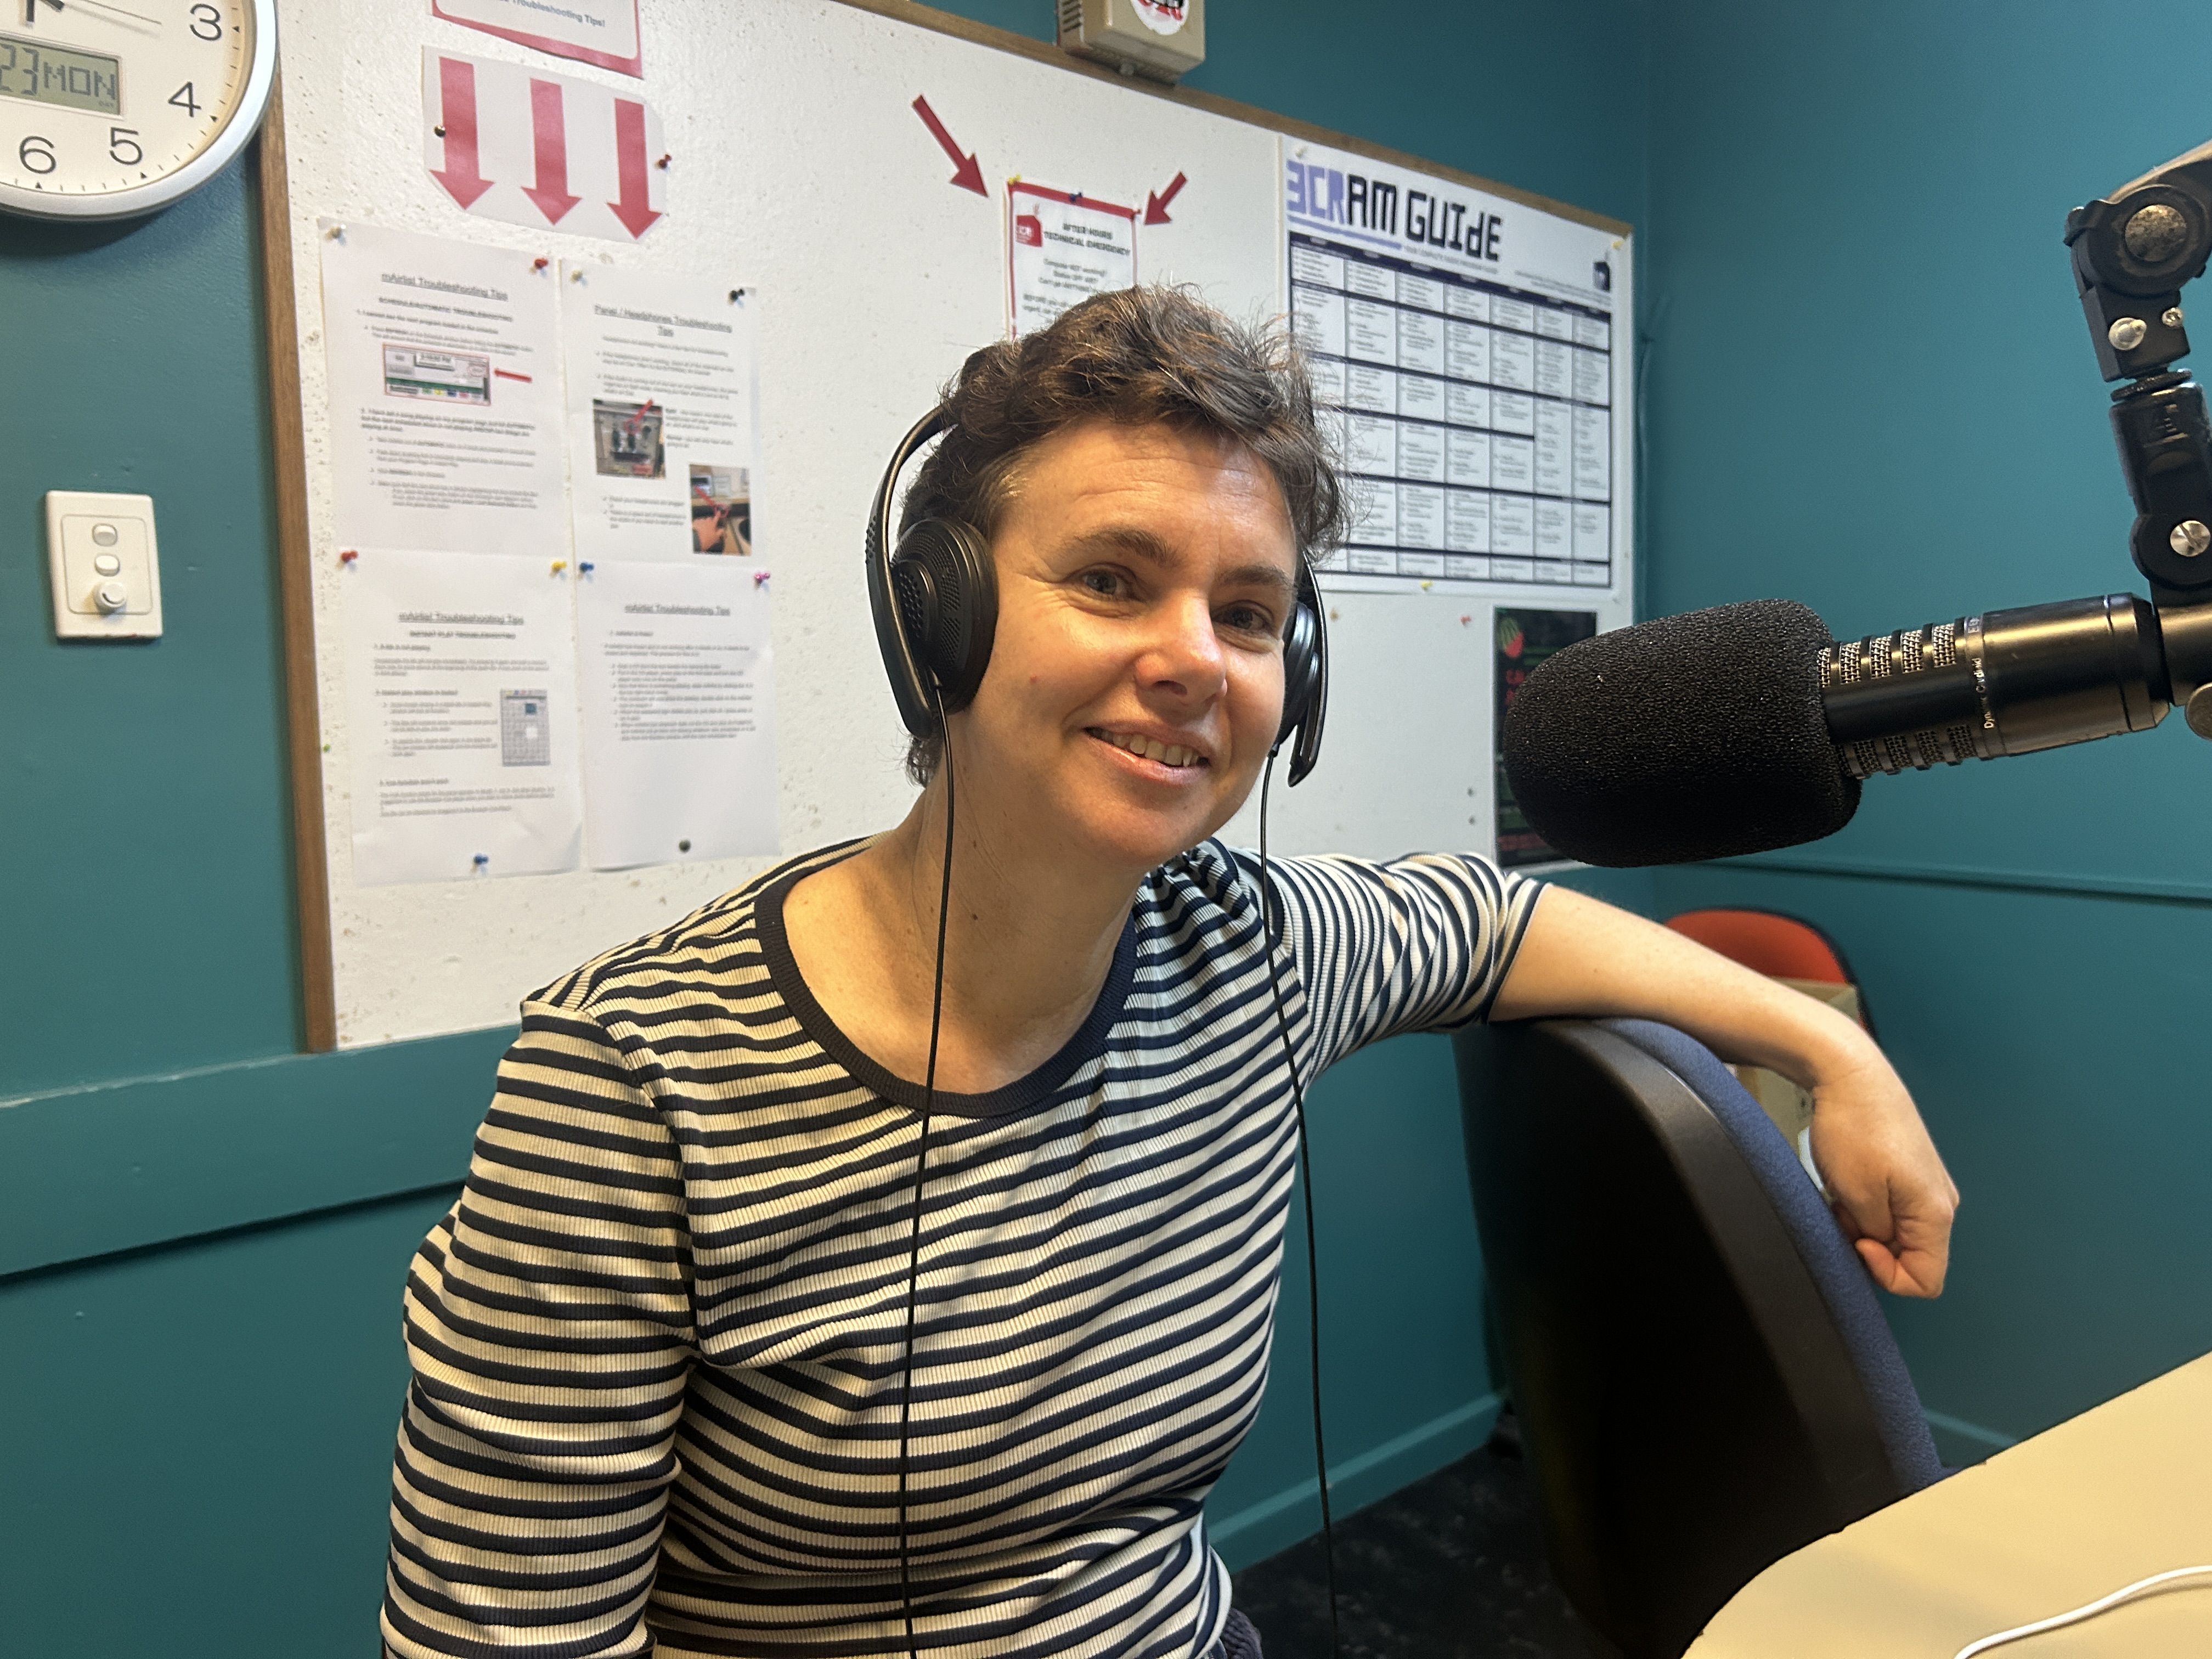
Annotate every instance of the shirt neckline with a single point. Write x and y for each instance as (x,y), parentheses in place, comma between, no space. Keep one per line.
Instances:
(1089,1042)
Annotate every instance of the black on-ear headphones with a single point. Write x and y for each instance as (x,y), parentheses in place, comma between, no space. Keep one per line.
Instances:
(935,593)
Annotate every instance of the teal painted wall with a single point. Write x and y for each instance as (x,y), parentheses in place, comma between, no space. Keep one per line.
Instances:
(1869,386)
(202,1233)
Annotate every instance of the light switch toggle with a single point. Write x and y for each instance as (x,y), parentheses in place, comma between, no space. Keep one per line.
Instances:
(102,566)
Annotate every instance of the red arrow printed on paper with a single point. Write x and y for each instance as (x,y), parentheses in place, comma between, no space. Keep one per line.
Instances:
(966,174)
(457,114)
(631,168)
(549,136)
(1156,205)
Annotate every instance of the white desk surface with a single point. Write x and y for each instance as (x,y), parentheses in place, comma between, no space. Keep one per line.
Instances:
(2116,1494)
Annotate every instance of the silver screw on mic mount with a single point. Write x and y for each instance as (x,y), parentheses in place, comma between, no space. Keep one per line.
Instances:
(2127,333)
(2171,317)
(2189,538)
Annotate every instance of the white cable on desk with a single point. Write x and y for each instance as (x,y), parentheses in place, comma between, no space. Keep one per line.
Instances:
(2106,1604)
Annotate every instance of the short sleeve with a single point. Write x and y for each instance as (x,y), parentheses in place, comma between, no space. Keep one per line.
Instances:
(548,1337)
(1378,948)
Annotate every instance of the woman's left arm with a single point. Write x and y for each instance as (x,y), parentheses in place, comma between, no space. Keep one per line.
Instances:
(1886,1184)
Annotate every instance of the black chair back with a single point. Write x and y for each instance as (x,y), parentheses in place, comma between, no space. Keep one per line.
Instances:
(1703,1376)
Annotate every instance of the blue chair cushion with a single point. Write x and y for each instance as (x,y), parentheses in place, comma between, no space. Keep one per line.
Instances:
(1828,1256)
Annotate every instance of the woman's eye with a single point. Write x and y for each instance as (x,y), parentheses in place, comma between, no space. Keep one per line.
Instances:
(1248,619)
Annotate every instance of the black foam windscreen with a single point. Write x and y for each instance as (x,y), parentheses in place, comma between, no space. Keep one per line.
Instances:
(1693,736)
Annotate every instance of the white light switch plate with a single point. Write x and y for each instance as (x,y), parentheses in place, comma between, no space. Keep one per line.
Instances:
(102,566)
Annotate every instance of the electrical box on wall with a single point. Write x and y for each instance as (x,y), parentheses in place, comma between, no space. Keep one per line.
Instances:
(102,566)
(1160,40)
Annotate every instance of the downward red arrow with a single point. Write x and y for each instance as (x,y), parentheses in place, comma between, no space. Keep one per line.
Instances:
(456,109)
(966,174)
(1156,206)
(634,211)
(549,132)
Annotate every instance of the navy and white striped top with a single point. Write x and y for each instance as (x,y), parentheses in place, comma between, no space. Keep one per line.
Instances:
(657,1341)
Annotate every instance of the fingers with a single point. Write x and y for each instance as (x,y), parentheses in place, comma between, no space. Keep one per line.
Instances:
(1913,1273)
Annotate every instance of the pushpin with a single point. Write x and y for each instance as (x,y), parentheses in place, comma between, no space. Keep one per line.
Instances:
(540,262)
(347,556)
(560,565)
(1426,585)
(584,568)
(482,862)
(683,846)
(1464,621)
(760,578)
(662,162)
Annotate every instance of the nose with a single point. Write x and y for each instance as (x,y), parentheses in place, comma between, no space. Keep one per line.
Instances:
(1184,658)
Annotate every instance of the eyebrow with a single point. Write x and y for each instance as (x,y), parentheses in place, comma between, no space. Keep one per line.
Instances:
(1141,543)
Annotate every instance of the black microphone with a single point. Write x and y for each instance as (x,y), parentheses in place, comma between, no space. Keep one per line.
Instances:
(1746,727)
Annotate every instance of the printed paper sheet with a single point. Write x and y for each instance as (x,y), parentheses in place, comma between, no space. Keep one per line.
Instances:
(444,394)
(1063,247)
(1464,347)
(679,712)
(663,428)
(460,677)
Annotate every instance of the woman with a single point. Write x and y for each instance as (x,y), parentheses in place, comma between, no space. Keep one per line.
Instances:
(669,1384)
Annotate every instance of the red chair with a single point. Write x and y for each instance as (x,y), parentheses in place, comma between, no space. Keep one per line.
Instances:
(1770,943)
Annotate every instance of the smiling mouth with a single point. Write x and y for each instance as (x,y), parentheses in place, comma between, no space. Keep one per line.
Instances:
(1167,754)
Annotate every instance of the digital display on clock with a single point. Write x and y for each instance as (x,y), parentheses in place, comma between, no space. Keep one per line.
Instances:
(60,75)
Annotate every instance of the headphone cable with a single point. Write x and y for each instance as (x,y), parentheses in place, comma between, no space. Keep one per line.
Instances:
(1305,1189)
(921,1168)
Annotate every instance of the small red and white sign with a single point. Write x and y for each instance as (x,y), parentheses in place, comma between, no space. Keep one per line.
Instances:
(1162,16)
(601,32)
(516,144)
(1063,247)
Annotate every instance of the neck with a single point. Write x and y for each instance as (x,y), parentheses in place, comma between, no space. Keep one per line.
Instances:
(1031,925)
(1031,934)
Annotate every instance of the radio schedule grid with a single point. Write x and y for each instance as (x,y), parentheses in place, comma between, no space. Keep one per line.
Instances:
(1461,347)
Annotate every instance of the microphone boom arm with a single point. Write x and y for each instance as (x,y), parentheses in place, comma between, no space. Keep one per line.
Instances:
(2133,251)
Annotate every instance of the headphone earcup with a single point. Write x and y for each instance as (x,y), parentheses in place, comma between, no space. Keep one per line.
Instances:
(1301,670)
(947,593)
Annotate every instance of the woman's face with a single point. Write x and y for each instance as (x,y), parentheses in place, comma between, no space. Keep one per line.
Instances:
(1146,578)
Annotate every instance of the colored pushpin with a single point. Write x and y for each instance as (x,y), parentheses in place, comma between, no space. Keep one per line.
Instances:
(482,862)
(347,556)
(584,568)
(1464,621)
(683,846)
(760,578)
(560,565)
(1426,585)
(662,162)
(540,262)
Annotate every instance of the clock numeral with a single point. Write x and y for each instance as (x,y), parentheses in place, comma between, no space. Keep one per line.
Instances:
(183,99)
(207,23)
(120,139)
(37,154)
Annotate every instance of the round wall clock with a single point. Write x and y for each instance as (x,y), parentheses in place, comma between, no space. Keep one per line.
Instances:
(114,107)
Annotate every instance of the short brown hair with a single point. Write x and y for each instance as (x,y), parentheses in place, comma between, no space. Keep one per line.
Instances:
(1138,357)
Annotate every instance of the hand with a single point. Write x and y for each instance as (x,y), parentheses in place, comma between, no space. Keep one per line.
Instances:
(1888,1187)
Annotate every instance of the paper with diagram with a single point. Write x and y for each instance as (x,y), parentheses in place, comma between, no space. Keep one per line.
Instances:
(460,701)
(444,394)
(663,419)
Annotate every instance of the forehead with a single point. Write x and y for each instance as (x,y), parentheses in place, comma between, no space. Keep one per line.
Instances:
(1192,485)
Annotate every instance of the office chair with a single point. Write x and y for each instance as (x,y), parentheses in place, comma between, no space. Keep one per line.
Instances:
(1704,1380)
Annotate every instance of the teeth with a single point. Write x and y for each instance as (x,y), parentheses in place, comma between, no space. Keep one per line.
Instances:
(1168,754)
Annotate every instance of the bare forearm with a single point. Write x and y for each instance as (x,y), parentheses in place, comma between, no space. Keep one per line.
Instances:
(1583,957)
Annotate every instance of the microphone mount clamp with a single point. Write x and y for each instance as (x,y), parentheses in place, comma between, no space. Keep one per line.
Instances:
(2132,253)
